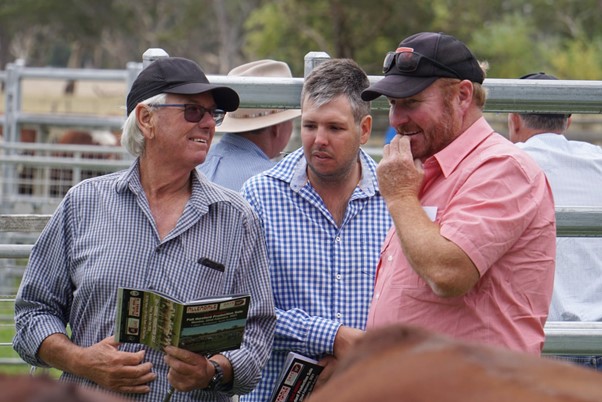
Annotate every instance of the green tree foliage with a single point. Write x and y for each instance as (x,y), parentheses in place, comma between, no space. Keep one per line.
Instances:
(578,60)
(510,47)
(360,29)
(563,37)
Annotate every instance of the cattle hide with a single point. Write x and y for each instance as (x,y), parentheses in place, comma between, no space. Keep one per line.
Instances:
(405,364)
(24,388)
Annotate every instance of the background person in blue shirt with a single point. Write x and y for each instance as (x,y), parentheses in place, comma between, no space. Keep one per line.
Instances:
(324,220)
(390,134)
(574,170)
(253,137)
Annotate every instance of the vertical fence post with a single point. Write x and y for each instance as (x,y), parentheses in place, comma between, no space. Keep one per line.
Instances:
(151,55)
(11,127)
(313,59)
(133,68)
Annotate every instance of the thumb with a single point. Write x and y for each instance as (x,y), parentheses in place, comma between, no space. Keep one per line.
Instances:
(418,165)
(110,341)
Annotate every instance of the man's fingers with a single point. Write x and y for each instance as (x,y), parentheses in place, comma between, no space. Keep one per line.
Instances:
(418,164)
(132,379)
(184,355)
(133,389)
(110,340)
(403,145)
(386,150)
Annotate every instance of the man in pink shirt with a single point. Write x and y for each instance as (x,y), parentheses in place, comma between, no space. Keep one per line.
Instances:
(471,252)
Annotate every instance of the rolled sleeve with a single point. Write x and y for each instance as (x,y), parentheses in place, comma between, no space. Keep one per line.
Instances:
(42,303)
(310,335)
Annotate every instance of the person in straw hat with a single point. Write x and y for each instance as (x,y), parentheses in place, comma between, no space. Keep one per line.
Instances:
(253,137)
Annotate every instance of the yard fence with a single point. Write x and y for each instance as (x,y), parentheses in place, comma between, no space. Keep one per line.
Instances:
(37,175)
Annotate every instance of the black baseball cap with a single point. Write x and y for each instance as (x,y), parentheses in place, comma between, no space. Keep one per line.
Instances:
(177,75)
(538,76)
(433,56)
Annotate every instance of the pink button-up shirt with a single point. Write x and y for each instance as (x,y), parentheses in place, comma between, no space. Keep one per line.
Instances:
(494,202)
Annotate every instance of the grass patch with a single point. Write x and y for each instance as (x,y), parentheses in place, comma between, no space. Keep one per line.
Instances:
(7,332)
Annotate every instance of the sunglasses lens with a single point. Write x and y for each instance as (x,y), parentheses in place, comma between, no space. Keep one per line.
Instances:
(407,61)
(388,62)
(195,113)
(218,116)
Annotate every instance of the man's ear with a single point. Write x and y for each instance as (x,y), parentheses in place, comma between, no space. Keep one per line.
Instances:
(516,122)
(275,130)
(465,92)
(366,129)
(515,128)
(144,120)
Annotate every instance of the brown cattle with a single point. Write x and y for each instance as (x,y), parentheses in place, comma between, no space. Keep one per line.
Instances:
(62,179)
(401,363)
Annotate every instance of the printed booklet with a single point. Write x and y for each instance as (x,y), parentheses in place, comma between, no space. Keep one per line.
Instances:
(297,379)
(205,326)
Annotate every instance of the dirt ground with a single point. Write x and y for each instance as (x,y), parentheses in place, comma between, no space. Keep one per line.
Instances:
(88,97)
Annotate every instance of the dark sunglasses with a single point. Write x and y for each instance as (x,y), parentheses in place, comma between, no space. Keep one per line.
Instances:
(406,60)
(193,113)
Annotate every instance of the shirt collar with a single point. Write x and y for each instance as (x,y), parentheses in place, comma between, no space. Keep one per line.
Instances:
(296,175)
(243,143)
(204,192)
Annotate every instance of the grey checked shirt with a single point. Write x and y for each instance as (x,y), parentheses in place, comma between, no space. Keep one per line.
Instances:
(103,236)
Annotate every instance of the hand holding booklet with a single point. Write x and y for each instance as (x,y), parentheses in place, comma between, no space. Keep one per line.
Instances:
(297,379)
(206,326)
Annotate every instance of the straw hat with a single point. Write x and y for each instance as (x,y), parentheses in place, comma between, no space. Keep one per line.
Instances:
(247,119)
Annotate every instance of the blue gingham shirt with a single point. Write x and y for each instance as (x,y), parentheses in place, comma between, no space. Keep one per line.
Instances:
(322,275)
(233,160)
(103,236)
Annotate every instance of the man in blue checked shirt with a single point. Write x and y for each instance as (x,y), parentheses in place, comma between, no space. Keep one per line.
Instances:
(158,225)
(324,221)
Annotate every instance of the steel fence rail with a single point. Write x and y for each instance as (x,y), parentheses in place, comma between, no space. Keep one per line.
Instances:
(573,338)
(561,337)
(504,95)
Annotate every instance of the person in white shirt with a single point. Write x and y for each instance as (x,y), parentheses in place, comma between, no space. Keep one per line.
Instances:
(574,171)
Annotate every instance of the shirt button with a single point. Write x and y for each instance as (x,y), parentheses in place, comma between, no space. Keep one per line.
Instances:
(339,315)
(390,258)
(337,239)
(338,277)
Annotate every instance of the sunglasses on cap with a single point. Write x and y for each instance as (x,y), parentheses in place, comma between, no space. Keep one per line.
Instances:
(193,113)
(407,60)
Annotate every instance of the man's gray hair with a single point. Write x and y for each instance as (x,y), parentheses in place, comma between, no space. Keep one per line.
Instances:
(549,122)
(335,77)
(131,135)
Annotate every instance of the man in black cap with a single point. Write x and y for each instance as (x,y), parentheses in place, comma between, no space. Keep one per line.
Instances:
(471,251)
(157,225)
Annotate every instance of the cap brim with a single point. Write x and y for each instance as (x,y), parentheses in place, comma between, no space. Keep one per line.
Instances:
(240,125)
(225,98)
(397,86)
